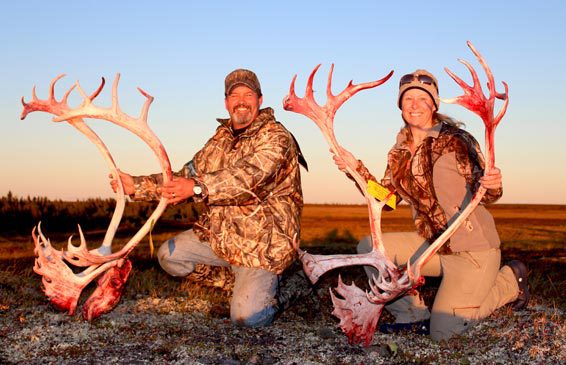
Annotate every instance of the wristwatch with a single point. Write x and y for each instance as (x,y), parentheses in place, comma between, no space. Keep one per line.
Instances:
(197,190)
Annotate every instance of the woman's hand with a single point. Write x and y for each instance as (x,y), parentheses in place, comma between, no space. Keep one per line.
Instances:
(492,179)
(344,160)
(127,183)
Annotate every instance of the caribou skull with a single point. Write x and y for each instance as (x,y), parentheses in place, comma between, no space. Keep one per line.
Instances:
(62,285)
(359,311)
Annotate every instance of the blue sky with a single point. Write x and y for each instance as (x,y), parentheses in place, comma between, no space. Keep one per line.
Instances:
(180,51)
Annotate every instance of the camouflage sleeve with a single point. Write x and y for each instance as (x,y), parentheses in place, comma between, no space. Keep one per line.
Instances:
(492,195)
(362,170)
(148,188)
(365,174)
(246,179)
(386,182)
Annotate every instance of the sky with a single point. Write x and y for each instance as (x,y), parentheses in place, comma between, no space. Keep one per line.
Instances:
(180,52)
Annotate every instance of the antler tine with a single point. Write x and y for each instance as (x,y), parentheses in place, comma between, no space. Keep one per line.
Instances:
(114,114)
(115,106)
(464,85)
(67,93)
(145,109)
(474,99)
(309,93)
(33,94)
(358,316)
(485,66)
(60,284)
(353,89)
(329,94)
(97,91)
(52,87)
(505,98)
(306,105)
(71,247)
(48,105)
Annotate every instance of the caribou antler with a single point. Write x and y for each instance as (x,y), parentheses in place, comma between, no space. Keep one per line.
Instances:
(61,285)
(323,116)
(358,317)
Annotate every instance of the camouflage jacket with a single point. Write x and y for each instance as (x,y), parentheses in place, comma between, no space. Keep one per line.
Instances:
(438,180)
(253,194)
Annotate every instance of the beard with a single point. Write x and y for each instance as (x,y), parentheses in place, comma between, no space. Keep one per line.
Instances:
(241,117)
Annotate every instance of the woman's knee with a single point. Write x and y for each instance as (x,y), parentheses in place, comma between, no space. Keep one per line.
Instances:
(365,245)
(445,324)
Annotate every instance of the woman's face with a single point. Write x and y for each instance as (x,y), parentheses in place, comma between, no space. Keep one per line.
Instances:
(417,108)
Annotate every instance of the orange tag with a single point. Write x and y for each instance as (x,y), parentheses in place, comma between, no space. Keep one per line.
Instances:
(380,192)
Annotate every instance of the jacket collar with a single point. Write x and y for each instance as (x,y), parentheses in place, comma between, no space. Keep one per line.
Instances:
(265,115)
(402,136)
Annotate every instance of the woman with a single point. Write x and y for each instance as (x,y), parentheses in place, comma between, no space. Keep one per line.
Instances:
(437,167)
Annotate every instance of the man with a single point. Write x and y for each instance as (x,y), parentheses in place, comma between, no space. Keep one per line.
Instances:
(248,176)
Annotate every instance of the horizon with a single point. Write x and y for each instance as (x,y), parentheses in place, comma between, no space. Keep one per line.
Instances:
(400,205)
(179,52)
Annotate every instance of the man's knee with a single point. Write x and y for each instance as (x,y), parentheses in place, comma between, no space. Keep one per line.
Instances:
(165,251)
(253,302)
(254,317)
(167,262)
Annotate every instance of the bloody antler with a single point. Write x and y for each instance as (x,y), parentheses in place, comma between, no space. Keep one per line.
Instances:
(61,285)
(475,101)
(358,317)
(323,116)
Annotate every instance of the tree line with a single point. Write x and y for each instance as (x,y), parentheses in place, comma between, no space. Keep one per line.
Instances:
(20,215)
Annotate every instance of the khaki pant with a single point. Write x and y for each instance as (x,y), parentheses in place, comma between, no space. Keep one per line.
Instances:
(472,287)
(253,296)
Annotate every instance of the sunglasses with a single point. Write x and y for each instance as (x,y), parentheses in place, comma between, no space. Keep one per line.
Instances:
(423,79)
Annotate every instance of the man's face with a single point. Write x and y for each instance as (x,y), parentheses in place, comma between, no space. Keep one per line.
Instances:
(243,106)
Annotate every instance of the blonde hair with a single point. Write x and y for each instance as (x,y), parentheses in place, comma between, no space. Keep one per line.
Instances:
(438,117)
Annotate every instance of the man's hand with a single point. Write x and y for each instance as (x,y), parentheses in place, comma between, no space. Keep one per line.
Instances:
(492,180)
(127,183)
(178,189)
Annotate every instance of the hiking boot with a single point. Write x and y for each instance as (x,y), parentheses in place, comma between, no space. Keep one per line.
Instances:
(293,288)
(420,328)
(521,274)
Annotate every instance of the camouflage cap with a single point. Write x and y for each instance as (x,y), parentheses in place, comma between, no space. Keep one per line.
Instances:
(241,77)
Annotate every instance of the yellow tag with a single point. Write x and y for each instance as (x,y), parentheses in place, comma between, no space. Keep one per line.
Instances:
(380,192)
(151,248)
